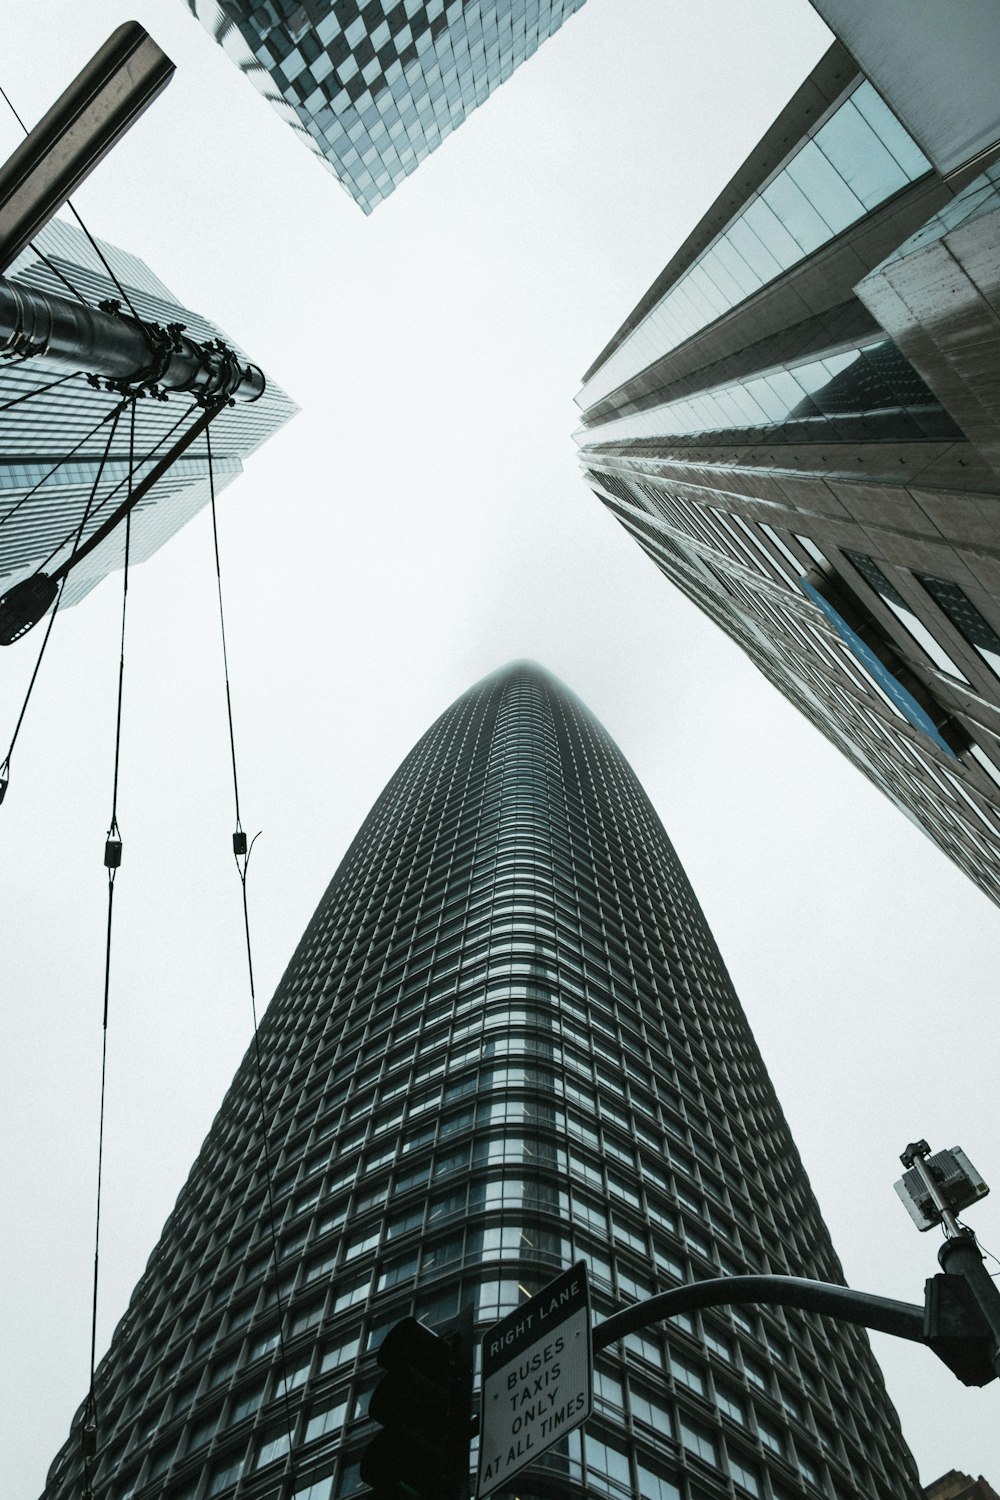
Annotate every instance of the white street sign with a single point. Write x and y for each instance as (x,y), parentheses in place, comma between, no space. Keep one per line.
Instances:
(537,1378)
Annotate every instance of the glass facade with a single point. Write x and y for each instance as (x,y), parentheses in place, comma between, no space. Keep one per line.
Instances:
(847,167)
(868,392)
(374,88)
(55,439)
(506,1042)
(814,471)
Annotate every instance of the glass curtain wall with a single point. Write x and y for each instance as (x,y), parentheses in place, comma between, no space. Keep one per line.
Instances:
(506,1041)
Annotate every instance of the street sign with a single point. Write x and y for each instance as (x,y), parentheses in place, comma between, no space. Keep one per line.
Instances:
(537,1378)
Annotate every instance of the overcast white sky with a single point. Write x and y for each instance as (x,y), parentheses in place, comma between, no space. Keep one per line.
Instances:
(421,522)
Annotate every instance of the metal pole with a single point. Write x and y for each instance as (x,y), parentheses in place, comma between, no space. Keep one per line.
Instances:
(884,1314)
(915,1156)
(129,353)
(105,99)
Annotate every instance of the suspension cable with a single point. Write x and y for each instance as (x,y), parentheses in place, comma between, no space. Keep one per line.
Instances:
(39,390)
(241,852)
(113,412)
(114,490)
(5,764)
(239,837)
(112,862)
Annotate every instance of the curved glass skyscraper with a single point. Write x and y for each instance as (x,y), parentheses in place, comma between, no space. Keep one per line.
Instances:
(506,1041)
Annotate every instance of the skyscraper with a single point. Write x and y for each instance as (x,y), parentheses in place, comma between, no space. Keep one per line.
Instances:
(54,439)
(799,422)
(506,1041)
(374,88)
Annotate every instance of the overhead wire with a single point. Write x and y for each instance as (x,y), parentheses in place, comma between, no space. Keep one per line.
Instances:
(241,852)
(112,863)
(5,763)
(113,412)
(38,390)
(122,482)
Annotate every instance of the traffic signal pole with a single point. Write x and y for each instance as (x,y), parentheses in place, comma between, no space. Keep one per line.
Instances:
(959,1257)
(960,1318)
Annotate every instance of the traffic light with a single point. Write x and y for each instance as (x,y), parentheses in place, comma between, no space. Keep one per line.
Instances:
(423,1404)
(957,1331)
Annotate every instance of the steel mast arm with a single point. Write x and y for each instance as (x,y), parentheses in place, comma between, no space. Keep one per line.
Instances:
(884,1314)
(105,342)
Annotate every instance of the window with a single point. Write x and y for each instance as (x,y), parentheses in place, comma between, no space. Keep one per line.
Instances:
(608,1390)
(745,1474)
(718,1343)
(647,1408)
(201,1431)
(355,1291)
(653,1486)
(756,1374)
(244,1404)
(222,1475)
(904,612)
(687,1375)
(339,1354)
(272,1448)
(963,614)
(401,1270)
(859,157)
(602,1458)
(730,1404)
(306,1317)
(330,1419)
(645,1348)
(316,1489)
(770,1436)
(361,1242)
(696,1440)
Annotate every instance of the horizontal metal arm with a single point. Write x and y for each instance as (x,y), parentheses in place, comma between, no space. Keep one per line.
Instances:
(885,1315)
(119,348)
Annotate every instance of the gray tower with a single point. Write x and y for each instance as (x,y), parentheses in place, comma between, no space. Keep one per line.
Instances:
(799,422)
(506,1042)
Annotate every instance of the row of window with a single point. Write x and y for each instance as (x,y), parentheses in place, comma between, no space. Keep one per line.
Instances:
(853,162)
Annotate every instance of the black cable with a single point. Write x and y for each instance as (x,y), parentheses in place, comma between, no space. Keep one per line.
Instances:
(121,661)
(115,412)
(126,481)
(5,764)
(225,662)
(104,262)
(40,389)
(60,275)
(17,117)
(112,862)
(242,853)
